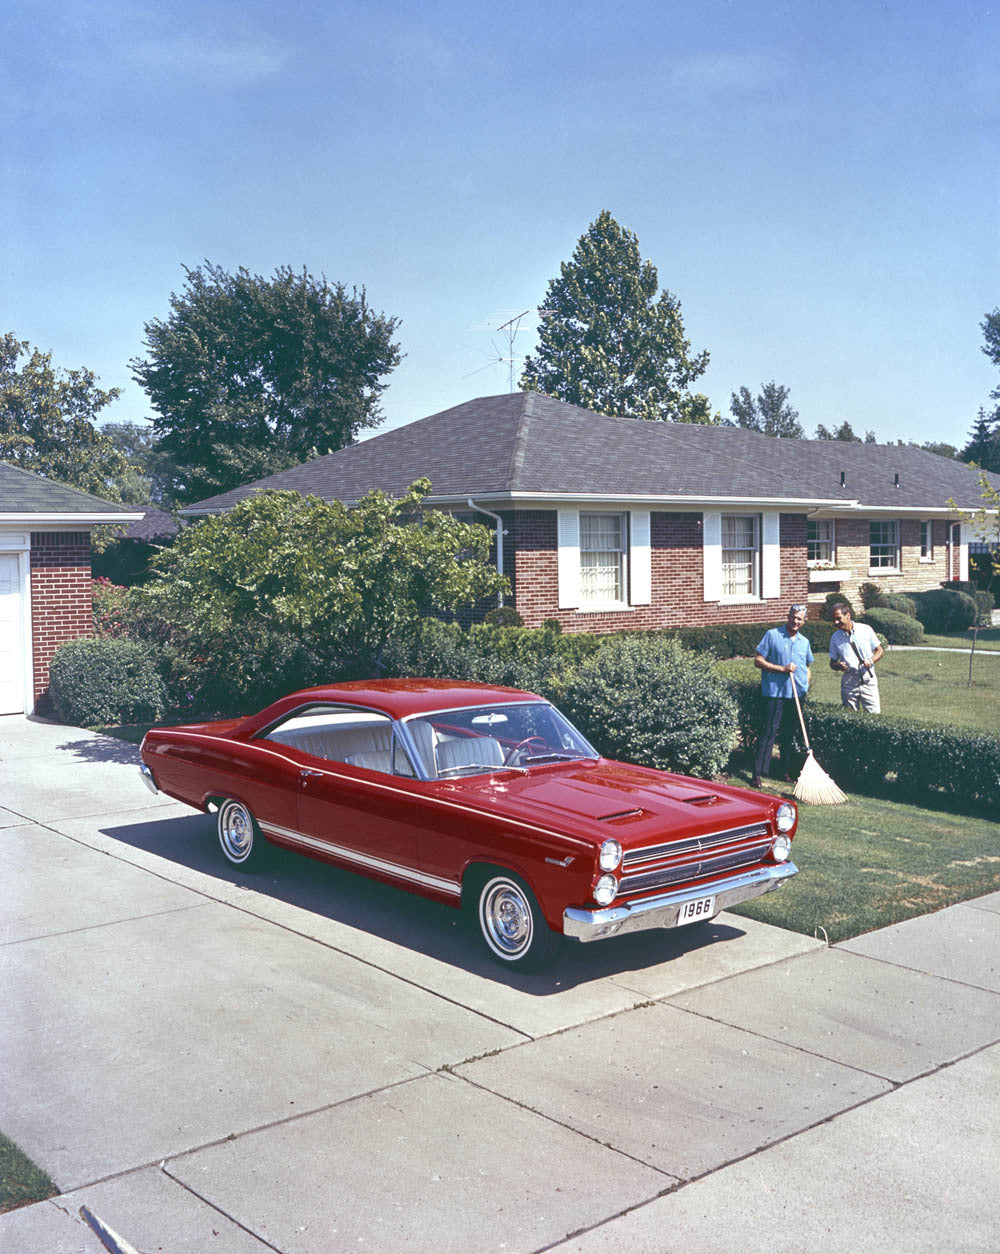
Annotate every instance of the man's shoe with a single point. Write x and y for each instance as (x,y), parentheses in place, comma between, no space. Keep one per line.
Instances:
(755,782)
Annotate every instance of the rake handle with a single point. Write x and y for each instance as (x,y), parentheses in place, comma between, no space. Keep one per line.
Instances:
(798,706)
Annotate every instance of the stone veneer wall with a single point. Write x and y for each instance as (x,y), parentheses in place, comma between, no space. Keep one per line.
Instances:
(852,553)
(60,599)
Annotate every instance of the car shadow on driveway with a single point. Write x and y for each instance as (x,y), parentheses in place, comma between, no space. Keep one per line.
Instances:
(430,928)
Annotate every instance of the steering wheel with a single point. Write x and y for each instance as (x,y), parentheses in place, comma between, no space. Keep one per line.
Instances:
(519,748)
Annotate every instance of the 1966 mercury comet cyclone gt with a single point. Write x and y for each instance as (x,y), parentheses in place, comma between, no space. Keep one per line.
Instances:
(482,797)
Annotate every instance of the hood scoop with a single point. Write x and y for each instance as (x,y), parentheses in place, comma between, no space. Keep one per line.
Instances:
(703,799)
(620,814)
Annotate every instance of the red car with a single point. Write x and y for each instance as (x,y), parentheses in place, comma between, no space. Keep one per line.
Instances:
(482,797)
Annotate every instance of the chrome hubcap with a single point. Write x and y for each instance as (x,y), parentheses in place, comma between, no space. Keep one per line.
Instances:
(506,918)
(237,831)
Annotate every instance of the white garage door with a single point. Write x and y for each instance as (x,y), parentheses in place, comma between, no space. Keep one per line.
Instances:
(11,637)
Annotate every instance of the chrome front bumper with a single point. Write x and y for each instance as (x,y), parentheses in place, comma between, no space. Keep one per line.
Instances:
(662,911)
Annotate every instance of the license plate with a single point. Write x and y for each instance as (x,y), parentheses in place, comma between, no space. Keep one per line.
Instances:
(692,911)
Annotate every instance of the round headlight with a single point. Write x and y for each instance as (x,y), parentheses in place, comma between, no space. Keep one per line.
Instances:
(785,818)
(782,848)
(605,890)
(611,855)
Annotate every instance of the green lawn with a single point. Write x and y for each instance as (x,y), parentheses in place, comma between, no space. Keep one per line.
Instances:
(925,685)
(986,638)
(21,1181)
(869,863)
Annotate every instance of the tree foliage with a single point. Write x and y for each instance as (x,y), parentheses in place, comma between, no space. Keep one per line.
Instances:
(844,432)
(984,443)
(248,375)
(769,412)
(608,342)
(47,422)
(341,582)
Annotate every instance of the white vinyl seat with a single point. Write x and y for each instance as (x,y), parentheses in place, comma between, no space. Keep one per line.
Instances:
(469,751)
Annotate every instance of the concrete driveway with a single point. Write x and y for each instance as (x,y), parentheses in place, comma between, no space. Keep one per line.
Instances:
(308,1061)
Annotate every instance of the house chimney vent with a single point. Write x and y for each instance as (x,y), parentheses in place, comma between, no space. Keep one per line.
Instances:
(895,480)
(843,478)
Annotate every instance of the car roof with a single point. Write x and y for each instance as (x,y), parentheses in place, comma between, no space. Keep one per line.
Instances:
(399,698)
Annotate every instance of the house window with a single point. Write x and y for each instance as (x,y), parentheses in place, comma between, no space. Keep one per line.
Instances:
(602,559)
(819,542)
(883,546)
(927,542)
(740,555)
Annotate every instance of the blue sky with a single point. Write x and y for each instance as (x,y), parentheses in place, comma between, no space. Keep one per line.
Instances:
(818,184)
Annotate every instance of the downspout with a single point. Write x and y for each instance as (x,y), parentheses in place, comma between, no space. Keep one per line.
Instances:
(500,535)
(951,551)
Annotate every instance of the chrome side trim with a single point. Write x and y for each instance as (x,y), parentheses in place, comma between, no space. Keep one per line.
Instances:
(662,911)
(147,779)
(382,865)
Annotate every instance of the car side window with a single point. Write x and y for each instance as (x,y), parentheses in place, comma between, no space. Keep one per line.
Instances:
(354,737)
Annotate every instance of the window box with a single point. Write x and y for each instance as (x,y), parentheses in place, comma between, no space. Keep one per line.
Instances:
(827,574)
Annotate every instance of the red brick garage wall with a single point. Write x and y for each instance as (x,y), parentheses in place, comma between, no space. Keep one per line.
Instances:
(60,599)
(677,570)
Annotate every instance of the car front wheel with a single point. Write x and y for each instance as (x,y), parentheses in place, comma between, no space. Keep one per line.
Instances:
(240,835)
(511,923)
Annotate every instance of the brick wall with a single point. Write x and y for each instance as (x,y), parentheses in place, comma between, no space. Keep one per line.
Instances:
(60,599)
(915,575)
(677,574)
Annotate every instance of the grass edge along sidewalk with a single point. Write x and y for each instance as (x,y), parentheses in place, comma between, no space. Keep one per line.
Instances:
(21,1181)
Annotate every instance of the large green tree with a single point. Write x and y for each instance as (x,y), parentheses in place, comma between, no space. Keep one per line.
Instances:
(609,342)
(769,412)
(48,421)
(984,442)
(340,582)
(249,375)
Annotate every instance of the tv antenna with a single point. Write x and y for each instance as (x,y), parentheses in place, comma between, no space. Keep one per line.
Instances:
(510,328)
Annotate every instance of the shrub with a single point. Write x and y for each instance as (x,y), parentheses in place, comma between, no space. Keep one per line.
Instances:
(944,609)
(870,594)
(832,599)
(106,680)
(504,616)
(552,624)
(895,627)
(875,753)
(899,602)
(110,607)
(647,699)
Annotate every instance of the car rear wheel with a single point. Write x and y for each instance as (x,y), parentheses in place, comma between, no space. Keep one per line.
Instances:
(511,922)
(240,835)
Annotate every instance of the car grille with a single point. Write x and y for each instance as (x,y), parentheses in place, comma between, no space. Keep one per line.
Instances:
(693,859)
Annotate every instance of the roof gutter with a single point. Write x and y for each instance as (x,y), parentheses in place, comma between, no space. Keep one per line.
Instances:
(500,535)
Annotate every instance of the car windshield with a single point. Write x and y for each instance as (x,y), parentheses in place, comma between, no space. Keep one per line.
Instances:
(485,738)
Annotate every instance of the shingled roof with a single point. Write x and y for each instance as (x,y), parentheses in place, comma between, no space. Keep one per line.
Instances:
(524,445)
(28,498)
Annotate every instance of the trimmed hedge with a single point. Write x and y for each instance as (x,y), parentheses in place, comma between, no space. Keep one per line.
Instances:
(873,753)
(650,700)
(944,609)
(106,680)
(896,628)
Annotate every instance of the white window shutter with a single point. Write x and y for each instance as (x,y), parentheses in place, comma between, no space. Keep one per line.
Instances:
(569,558)
(963,550)
(640,558)
(771,557)
(711,540)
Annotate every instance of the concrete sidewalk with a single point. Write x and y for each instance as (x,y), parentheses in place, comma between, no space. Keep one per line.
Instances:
(308,1061)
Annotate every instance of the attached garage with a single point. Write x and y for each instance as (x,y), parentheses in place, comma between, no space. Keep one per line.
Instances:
(45,579)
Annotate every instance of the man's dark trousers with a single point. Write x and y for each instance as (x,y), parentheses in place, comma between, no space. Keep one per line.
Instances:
(780,721)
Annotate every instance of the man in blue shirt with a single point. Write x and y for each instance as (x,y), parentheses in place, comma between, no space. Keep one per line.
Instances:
(783,657)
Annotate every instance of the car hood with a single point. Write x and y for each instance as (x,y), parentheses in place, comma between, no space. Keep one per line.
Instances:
(635,805)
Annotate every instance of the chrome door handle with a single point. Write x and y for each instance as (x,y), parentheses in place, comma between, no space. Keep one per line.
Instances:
(305,774)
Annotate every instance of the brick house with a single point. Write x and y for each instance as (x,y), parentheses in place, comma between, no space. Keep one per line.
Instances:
(45,582)
(613,523)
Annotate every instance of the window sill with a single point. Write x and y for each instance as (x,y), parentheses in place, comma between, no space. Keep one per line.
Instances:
(926,561)
(610,607)
(884,570)
(746,600)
